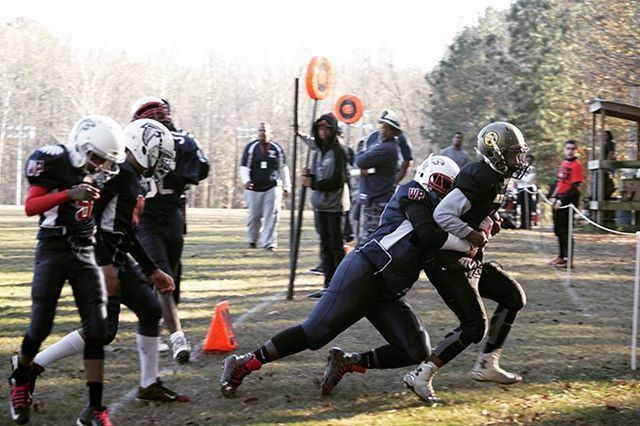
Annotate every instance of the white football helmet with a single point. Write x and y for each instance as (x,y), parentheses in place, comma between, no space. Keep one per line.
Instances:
(437,174)
(151,144)
(96,137)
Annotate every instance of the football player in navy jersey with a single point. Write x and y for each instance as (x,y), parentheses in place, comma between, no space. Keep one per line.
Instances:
(469,212)
(163,223)
(150,146)
(65,182)
(370,283)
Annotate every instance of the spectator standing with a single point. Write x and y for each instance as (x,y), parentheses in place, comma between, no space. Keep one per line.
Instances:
(265,177)
(378,164)
(330,197)
(455,151)
(609,154)
(526,193)
(565,190)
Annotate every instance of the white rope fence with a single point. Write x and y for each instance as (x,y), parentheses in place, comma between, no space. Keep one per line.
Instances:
(636,288)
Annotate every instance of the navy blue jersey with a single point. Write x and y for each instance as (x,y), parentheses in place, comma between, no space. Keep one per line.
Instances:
(483,187)
(191,166)
(264,162)
(50,167)
(383,156)
(407,234)
(405,147)
(117,212)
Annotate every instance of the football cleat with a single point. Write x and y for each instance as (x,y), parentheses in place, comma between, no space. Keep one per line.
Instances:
(235,369)
(180,347)
(91,416)
(487,369)
(419,381)
(556,261)
(20,399)
(162,346)
(339,363)
(158,392)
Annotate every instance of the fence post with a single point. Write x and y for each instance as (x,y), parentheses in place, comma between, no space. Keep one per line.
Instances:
(570,241)
(636,291)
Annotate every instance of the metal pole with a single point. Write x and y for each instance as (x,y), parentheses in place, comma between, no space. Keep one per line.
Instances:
(294,165)
(570,242)
(303,193)
(636,293)
(527,209)
(294,169)
(19,171)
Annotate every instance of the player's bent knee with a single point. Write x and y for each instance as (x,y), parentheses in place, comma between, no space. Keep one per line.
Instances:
(474,332)
(93,348)
(419,353)
(96,325)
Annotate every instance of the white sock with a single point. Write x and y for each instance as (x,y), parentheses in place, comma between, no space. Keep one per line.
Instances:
(148,351)
(176,335)
(70,344)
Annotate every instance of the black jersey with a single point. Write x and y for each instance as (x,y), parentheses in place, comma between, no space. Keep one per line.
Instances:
(264,161)
(50,167)
(191,165)
(483,187)
(117,212)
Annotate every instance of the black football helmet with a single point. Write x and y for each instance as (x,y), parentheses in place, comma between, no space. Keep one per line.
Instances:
(502,146)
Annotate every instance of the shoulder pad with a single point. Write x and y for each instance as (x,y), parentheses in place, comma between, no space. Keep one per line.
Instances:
(51,150)
(49,164)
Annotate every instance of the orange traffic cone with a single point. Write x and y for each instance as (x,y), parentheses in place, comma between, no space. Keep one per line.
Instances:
(220,337)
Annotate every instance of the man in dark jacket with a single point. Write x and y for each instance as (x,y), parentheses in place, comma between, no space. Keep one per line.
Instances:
(378,165)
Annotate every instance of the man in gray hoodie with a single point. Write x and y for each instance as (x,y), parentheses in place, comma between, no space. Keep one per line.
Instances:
(327,178)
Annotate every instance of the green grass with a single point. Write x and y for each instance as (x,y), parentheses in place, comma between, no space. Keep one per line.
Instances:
(571,342)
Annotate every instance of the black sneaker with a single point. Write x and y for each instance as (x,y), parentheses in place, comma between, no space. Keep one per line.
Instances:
(317,270)
(252,245)
(91,416)
(318,294)
(20,399)
(339,363)
(157,392)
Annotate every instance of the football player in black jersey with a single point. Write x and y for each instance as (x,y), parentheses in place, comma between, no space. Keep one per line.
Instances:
(150,147)
(370,283)
(163,223)
(65,182)
(469,212)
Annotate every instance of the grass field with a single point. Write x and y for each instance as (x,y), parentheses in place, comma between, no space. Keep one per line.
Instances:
(571,342)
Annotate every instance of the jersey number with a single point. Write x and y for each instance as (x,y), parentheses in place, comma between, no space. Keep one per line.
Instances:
(156,188)
(137,210)
(85,208)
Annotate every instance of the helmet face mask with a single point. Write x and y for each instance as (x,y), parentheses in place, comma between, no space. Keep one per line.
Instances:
(100,168)
(503,147)
(437,174)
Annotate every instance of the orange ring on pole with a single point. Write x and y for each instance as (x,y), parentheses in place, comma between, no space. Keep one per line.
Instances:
(349,109)
(319,77)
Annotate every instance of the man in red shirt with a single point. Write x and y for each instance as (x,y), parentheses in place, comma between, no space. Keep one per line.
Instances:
(564,191)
